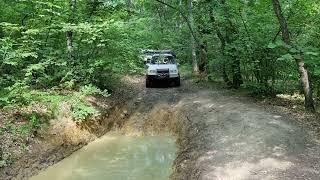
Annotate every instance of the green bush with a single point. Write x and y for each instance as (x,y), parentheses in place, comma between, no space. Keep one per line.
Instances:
(33,121)
(93,90)
(260,89)
(16,95)
(81,111)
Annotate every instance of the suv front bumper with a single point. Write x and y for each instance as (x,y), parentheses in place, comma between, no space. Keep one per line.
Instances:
(163,76)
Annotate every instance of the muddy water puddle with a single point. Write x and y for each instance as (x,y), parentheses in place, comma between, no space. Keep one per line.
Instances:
(117,157)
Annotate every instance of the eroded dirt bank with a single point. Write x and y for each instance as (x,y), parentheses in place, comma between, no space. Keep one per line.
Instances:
(219,135)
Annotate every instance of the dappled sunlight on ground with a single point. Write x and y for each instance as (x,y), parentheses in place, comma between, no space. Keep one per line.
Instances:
(245,170)
(294,97)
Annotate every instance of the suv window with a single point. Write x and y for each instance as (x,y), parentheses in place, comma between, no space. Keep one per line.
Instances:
(163,60)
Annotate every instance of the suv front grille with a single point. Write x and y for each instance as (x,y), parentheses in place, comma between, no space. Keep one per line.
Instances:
(162,71)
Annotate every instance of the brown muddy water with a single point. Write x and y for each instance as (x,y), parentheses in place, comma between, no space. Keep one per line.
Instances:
(117,157)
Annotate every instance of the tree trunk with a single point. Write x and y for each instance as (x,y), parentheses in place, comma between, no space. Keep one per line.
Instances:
(237,79)
(160,20)
(223,41)
(203,59)
(304,78)
(222,46)
(318,86)
(230,32)
(318,91)
(129,8)
(194,40)
(303,72)
(69,34)
(93,8)
(69,37)
(282,21)
(181,17)
(193,44)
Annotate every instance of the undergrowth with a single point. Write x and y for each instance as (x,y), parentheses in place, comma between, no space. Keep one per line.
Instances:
(19,96)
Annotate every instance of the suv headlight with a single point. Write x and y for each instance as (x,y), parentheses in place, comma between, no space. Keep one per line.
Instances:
(152,71)
(173,71)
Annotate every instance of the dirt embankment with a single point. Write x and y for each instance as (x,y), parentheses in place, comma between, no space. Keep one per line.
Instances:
(61,136)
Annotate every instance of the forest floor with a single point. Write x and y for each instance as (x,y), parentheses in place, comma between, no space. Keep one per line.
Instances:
(220,133)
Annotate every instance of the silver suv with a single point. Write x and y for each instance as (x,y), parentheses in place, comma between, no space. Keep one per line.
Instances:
(162,67)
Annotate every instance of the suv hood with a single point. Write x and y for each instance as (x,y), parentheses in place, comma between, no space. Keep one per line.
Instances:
(162,66)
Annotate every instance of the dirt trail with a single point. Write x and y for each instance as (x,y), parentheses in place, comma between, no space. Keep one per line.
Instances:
(223,136)
(219,135)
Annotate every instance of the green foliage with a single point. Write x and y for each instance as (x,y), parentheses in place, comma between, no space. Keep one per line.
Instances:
(21,95)
(106,38)
(32,122)
(81,111)
(186,71)
(258,89)
(250,32)
(18,94)
(92,90)
(33,49)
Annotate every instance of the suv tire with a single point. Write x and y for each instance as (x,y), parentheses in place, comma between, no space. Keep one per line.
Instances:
(148,83)
(177,82)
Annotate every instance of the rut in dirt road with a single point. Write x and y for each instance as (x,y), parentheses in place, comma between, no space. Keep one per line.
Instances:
(229,137)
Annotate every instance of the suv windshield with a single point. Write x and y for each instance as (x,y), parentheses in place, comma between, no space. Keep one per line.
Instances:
(163,59)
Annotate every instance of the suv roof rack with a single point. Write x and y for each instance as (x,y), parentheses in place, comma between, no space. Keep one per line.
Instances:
(151,51)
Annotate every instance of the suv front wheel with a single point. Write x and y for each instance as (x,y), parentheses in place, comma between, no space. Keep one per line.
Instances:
(148,82)
(177,81)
